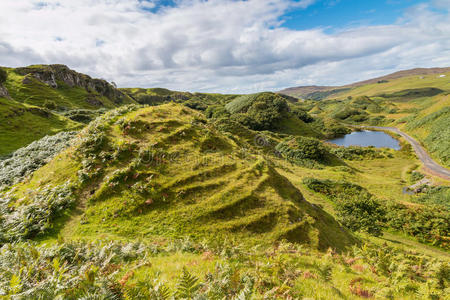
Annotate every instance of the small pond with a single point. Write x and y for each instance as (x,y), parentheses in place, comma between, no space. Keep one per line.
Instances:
(367,138)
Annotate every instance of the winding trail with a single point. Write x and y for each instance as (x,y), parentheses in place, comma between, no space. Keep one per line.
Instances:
(430,165)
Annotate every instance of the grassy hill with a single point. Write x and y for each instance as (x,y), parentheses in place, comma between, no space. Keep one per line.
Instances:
(173,174)
(408,78)
(42,100)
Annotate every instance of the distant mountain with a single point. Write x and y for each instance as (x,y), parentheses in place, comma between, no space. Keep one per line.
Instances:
(322,92)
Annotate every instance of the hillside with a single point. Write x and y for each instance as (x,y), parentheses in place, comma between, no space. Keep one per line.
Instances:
(173,174)
(45,99)
(323,92)
(211,196)
(161,192)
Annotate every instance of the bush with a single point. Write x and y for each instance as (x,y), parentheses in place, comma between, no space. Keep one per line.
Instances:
(361,213)
(302,148)
(356,153)
(416,176)
(430,223)
(27,220)
(359,210)
(216,112)
(3,76)
(302,115)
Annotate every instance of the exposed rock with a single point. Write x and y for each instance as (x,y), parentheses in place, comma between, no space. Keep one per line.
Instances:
(51,74)
(3,92)
(27,80)
(418,187)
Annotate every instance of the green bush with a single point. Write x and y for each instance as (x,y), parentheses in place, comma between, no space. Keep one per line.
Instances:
(356,153)
(416,176)
(216,112)
(359,210)
(302,148)
(428,223)
(361,213)
(302,115)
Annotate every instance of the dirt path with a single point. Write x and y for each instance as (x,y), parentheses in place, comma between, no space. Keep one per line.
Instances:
(430,165)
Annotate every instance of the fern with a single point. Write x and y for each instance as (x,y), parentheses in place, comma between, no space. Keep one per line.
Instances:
(187,286)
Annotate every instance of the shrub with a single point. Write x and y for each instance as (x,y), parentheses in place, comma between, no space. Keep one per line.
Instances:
(259,111)
(27,220)
(216,112)
(427,223)
(416,176)
(302,148)
(302,115)
(356,153)
(361,213)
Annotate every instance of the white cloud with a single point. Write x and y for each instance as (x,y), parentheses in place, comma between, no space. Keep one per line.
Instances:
(216,45)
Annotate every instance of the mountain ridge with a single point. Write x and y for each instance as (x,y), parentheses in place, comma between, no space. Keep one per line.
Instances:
(305,91)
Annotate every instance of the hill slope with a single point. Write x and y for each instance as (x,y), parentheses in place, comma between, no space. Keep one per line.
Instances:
(322,92)
(166,171)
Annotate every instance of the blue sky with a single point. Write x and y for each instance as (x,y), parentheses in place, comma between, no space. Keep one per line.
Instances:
(229,46)
(336,14)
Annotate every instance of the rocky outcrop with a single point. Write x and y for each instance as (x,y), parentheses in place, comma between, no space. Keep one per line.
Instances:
(52,74)
(3,92)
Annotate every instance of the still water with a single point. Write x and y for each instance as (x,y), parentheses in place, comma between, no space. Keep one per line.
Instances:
(367,138)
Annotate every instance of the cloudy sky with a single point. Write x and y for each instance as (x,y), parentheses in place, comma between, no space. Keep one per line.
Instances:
(224,45)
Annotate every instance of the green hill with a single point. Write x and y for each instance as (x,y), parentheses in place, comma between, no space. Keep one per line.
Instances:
(165,171)
(45,99)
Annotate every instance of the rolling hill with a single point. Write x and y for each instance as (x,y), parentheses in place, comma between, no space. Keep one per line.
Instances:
(408,76)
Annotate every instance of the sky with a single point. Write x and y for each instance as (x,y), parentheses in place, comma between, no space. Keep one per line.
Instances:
(227,46)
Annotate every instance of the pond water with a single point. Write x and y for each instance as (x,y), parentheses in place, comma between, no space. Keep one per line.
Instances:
(367,138)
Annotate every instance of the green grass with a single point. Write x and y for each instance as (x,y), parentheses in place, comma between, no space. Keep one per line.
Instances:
(22,124)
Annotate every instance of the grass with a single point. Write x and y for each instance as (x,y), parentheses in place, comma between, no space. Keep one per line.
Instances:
(22,124)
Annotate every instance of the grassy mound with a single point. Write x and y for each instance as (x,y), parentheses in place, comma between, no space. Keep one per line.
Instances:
(166,171)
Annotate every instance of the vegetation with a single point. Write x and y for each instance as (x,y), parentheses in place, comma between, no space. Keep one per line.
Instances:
(300,148)
(210,196)
(114,270)
(26,160)
(358,209)
(258,111)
